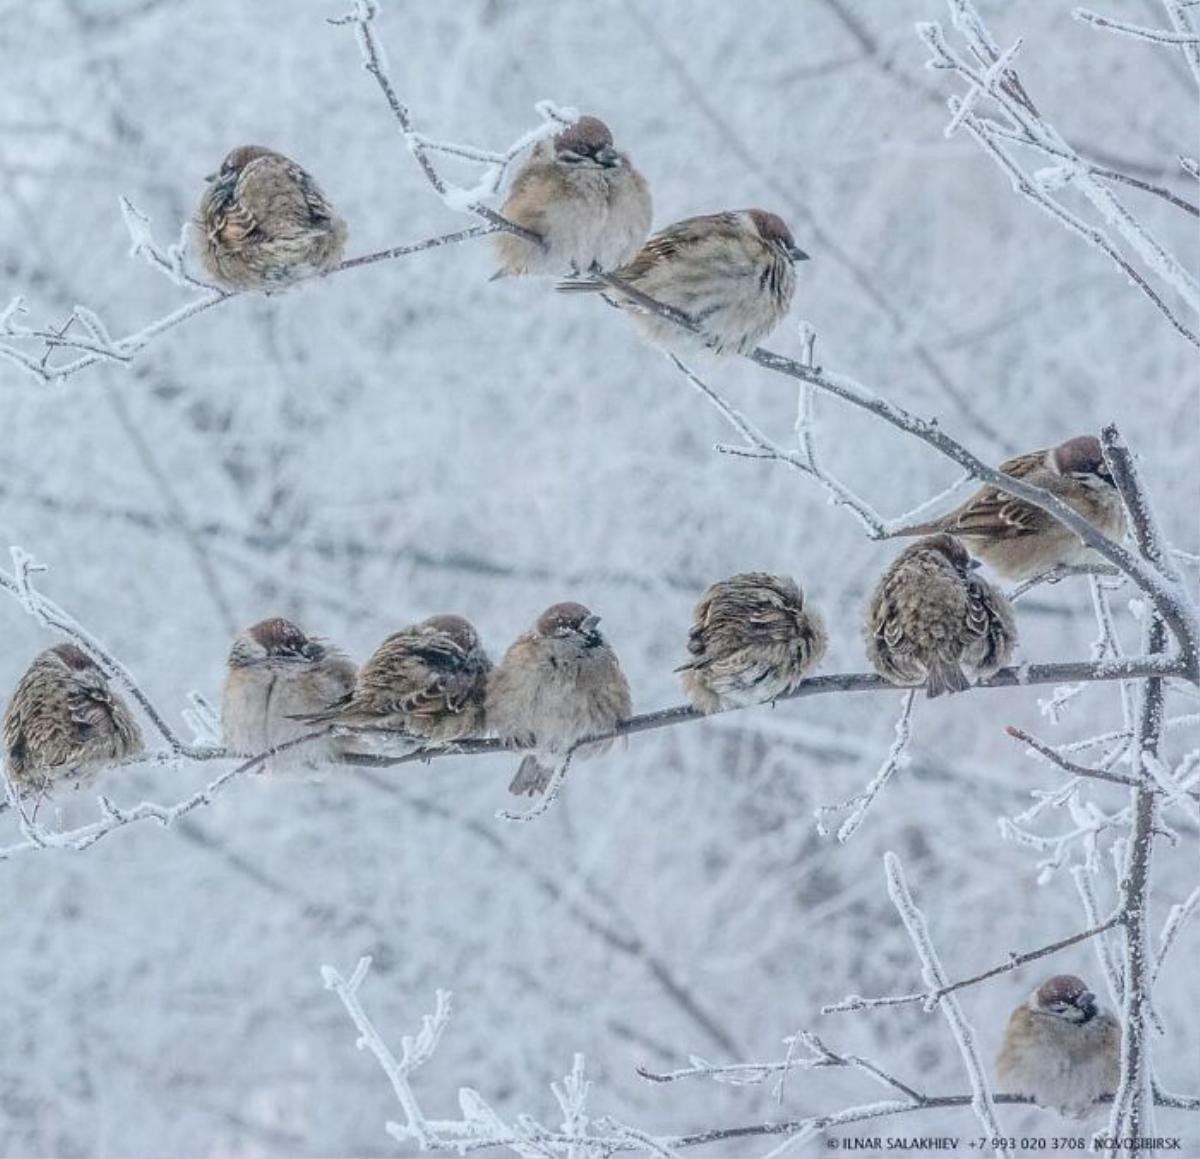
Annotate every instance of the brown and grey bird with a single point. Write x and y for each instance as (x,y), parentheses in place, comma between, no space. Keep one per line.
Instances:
(64,723)
(428,680)
(558,682)
(932,621)
(733,274)
(1061,1049)
(589,205)
(1018,540)
(752,639)
(263,223)
(275,674)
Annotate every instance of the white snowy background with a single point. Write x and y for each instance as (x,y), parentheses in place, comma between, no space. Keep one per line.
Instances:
(407,438)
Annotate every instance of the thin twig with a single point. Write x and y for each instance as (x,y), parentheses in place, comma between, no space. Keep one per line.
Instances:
(930,997)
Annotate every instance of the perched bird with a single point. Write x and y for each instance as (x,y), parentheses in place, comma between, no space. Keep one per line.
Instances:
(731,273)
(930,618)
(1060,1049)
(752,640)
(276,673)
(585,200)
(428,680)
(557,683)
(1019,540)
(263,223)
(64,722)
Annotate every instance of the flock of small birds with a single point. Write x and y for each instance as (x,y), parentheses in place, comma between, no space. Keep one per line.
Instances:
(932,620)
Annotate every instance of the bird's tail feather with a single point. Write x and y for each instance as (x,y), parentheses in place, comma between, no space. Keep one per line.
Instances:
(531,778)
(932,527)
(945,675)
(579,286)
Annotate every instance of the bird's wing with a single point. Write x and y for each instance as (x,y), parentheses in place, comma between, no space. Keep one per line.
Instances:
(992,512)
(673,240)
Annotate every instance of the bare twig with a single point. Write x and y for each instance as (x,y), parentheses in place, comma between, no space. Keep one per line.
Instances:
(930,997)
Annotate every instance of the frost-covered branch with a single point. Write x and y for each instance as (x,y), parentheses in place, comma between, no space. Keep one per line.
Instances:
(461,200)
(37,836)
(859,803)
(481,1127)
(97,344)
(20,585)
(993,79)
(1076,770)
(755,1073)
(758,446)
(935,978)
(1137,31)
(415,1052)
(1132,1114)
(1160,583)
(1178,16)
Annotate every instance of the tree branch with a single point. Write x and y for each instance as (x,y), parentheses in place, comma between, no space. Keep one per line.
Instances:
(1022,676)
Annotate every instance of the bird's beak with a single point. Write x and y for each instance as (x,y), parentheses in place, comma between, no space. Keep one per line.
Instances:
(975,564)
(797,254)
(607,157)
(210,177)
(589,624)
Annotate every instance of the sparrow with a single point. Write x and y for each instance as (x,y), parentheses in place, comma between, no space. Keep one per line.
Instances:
(558,682)
(427,680)
(589,205)
(752,640)
(1018,540)
(274,674)
(263,223)
(930,618)
(64,722)
(731,273)
(1060,1049)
